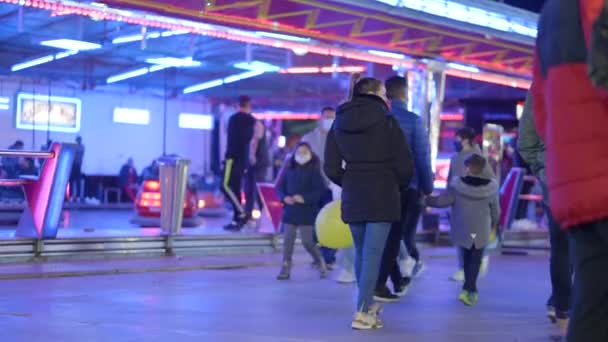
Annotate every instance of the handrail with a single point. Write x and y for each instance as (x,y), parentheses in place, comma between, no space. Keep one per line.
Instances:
(27,154)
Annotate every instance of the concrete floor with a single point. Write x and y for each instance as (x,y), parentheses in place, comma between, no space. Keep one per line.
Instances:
(249,305)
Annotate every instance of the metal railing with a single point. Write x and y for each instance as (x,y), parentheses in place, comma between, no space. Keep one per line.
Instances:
(27,154)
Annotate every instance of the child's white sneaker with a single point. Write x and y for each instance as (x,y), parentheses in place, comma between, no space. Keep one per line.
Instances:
(346,277)
(366,321)
(458,276)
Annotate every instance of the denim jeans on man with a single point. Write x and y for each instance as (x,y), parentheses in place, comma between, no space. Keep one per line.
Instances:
(370,239)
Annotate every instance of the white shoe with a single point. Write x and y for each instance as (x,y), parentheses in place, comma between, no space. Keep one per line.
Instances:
(418,268)
(407,266)
(458,276)
(346,277)
(366,321)
(485,264)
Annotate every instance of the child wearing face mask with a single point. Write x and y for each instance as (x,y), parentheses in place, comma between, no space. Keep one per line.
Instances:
(300,190)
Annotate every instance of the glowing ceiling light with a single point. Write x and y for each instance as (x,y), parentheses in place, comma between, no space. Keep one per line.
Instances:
(282,36)
(300,51)
(135,37)
(222,81)
(386,54)
(174,62)
(4,100)
(134,73)
(4,107)
(322,70)
(472,15)
(131,116)
(462,67)
(257,66)
(70,44)
(42,60)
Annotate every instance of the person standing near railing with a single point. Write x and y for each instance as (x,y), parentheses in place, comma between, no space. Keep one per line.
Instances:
(76,174)
(11,164)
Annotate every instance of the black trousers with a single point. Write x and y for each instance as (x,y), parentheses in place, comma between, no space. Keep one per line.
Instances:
(329,255)
(76,181)
(410,201)
(403,230)
(560,267)
(472,263)
(589,319)
(232,187)
(252,196)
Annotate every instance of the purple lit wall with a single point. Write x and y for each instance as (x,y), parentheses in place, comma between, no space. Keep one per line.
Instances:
(109,144)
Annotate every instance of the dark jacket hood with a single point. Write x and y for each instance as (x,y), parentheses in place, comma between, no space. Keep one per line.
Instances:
(361,113)
(475,187)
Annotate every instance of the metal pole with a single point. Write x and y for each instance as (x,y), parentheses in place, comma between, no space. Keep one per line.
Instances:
(48,117)
(165,117)
(34,117)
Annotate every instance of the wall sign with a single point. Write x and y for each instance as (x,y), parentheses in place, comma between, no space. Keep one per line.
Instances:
(41,112)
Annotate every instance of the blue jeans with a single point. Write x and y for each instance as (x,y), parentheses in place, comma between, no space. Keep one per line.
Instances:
(370,239)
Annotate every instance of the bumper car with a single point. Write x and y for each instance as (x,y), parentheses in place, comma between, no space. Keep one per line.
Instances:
(210,200)
(147,206)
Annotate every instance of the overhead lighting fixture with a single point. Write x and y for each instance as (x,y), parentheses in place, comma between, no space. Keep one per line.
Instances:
(4,100)
(195,121)
(282,36)
(4,107)
(286,116)
(150,35)
(42,60)
(322,70)
(70,44)
(468,14)
(300,51)
(134,73)
(131,116)
(462,67)
(222,81)
(387,54)
(174,62)
(257,66)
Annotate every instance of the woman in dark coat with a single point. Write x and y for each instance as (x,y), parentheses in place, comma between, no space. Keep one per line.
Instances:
(367,155)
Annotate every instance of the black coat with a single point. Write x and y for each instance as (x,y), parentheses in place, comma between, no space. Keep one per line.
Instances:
(367,155)
(308,182)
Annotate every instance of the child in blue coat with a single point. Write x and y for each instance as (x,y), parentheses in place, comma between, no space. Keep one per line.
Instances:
(300,190)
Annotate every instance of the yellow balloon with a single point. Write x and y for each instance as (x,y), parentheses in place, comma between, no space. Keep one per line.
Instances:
(332,232)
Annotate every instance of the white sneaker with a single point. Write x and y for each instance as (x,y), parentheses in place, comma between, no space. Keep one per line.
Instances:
(485,264)
(418,268)
(458,276)
(365,321)
(407,266)
(346,277)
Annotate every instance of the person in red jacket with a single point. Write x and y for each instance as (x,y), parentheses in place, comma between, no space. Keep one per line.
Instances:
(571,116)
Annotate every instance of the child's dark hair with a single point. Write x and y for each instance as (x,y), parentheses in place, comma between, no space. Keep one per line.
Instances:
(394,86)
(314,161)
(362,86)
(475,163)
(466,133)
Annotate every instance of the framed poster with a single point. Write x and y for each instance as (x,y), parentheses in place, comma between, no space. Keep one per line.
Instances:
(41,112)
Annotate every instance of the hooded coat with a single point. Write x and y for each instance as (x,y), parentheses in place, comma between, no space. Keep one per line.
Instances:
(475,210)
(367,155)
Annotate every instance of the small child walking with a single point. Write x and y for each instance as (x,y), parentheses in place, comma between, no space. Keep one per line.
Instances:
(475,210)
(301,189)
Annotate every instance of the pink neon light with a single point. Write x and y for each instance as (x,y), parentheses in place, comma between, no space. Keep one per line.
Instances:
(322,70)
(286,116)
(451,117)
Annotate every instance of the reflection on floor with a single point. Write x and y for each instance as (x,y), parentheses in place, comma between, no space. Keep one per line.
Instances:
(115,223)
(248,305)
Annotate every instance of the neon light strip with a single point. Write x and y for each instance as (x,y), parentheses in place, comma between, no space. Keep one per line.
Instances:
(134,73)
(286,116)
(222,81)
(322,70)
(42,60)
(472,15)
(4,107)
(5,100)
(166,23)
(451,117)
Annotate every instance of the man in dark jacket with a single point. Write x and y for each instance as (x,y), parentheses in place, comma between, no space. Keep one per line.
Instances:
(532,150)
(240,134)
(421,183)
(571,116)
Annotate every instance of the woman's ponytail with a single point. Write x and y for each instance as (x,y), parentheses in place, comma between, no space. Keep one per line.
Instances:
(354,78)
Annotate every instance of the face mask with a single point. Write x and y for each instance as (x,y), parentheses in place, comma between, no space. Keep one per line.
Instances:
(326,124)
(302,159)
(458,145)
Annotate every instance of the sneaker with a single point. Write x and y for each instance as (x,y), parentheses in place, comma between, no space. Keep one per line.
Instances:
(551,314)
(233,226)
(485,264)
(402,289)
(473,298)
(418,269)
(285,272)
(346,277)
(385,296)
(458,276)
(365,321)
(406,266)
(465,298)
(375,310)
(562,325)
